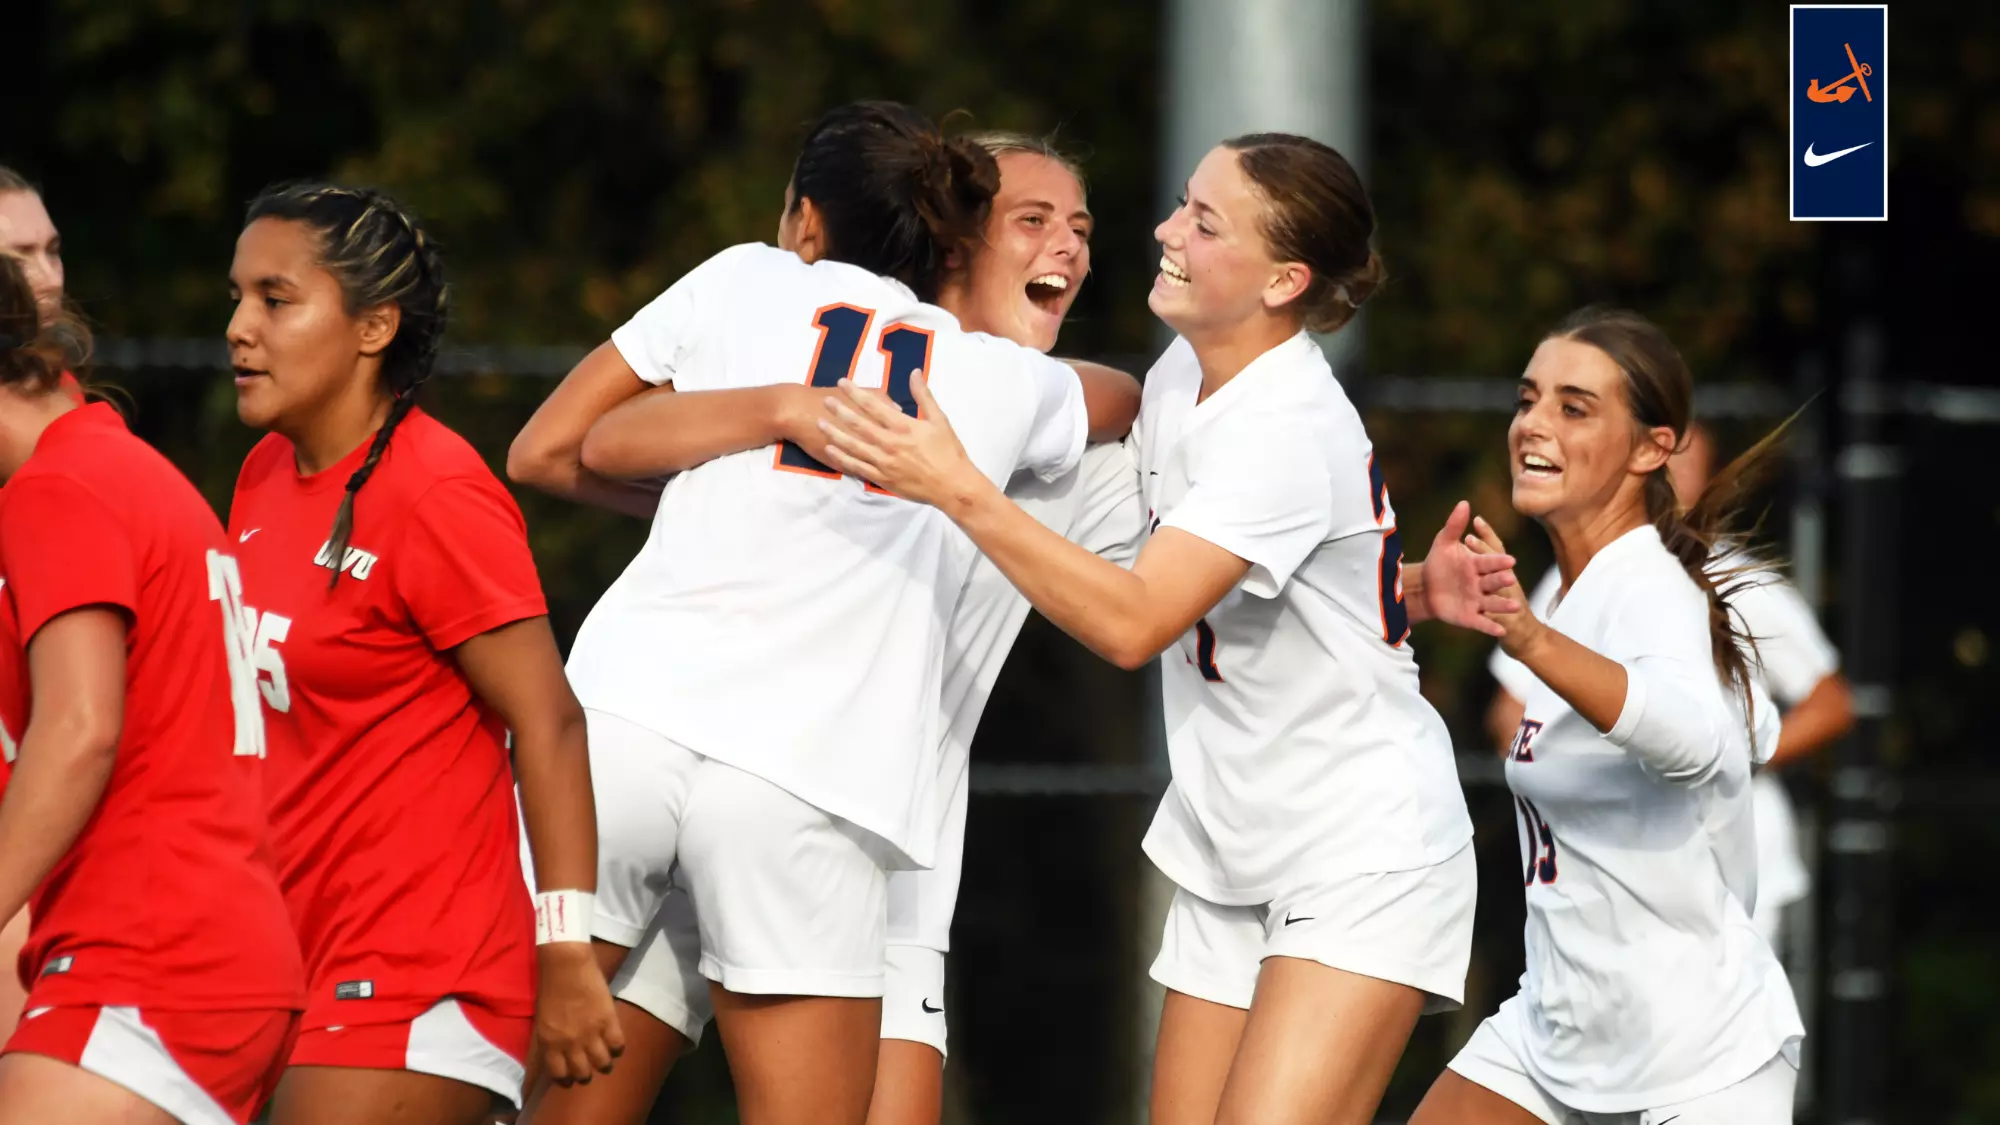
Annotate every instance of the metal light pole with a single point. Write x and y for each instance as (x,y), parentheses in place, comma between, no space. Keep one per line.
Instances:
(1858,835)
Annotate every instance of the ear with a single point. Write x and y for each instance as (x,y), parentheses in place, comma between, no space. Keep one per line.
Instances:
(1288,283)
(1655,448)
(377,327)
(809,231)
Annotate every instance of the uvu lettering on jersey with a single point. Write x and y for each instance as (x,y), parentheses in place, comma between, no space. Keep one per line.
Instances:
(250,639)
(356,561)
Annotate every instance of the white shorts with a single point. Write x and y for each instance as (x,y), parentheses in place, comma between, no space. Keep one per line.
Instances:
(1765,1098)
(1408,927)
(787,899)
(662,975)
(913,996)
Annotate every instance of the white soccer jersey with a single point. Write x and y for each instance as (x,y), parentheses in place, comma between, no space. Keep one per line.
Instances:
(1097,507)
(1792,657)
(1300,744)
(784,619)
(1646,982)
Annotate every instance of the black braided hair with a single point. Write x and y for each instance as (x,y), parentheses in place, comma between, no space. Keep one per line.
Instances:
(380,255)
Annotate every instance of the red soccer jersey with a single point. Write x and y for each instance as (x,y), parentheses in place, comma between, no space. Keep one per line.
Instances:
(168,900)
(389,786)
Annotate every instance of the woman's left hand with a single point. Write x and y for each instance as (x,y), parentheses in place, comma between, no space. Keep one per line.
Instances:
(917,458)
(1518,626)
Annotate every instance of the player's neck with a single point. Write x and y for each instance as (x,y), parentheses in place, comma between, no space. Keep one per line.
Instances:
(335,429)
(1224,355)
(24,417)
(1578,538)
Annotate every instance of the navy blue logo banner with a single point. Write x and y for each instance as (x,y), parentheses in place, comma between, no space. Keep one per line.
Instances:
(1840,111)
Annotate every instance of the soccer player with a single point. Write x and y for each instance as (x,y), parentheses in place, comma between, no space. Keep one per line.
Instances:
(1649,994)
(1018,282)
(400,633)
(1793,662)
(775,773)
(28,235)
(166,983)
(1315,827)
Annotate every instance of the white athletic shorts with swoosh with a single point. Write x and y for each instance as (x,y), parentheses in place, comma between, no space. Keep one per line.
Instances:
(1411,928)
(1490,1059)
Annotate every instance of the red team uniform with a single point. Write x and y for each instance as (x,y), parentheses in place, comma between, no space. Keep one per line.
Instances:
(390,791)
(160,955)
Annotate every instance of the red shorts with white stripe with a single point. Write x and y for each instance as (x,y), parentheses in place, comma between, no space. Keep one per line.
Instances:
(204,1068)
(454,1039)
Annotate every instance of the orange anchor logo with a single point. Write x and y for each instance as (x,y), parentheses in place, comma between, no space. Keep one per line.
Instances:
(1840,91)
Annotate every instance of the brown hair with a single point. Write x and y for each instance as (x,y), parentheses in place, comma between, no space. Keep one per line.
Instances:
(1660,392)
(897,197)
(34,355)
(1004,142)
(380,255)
(1317,214)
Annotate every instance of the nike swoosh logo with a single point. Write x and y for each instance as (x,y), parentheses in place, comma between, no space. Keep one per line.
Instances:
(1814,160)
(246,535)
(926,1005)
(1289,919)
(1677,1117)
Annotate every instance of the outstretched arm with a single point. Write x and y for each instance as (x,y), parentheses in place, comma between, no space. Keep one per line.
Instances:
(548,452)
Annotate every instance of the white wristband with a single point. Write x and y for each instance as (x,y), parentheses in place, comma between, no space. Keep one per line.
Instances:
(563,916)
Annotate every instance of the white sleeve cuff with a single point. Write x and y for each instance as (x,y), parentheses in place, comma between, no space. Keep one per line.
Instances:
(1634,710)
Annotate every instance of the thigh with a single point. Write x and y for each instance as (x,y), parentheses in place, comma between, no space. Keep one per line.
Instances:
(800,1060)
(1191,1060)
(346,1095)
(1457,1100)
(12,996)
(37,1089)
(1488,1084)
(1319,1046)
(639,783)
(788,900)
(1209,954)
(626,1095)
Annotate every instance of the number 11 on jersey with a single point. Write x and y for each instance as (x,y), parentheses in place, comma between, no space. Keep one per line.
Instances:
(842,331)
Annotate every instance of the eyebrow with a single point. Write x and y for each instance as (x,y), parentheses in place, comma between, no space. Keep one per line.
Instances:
(1528,384)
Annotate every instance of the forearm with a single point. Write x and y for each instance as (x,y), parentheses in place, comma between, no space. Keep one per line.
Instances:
(665,431)
(1669,726)
(60,776)
(1415,602)
(560,473)
(1101,604)
(552,763)
(1820,718)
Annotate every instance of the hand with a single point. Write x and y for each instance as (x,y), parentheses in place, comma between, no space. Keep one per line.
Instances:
(1518,627)
(575,1023)
(917,458)
(1462,586)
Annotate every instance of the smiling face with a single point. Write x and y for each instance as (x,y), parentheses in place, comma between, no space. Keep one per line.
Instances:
(1033,257)
(293,343)
(1216,267)
(28,234)
(1574,446)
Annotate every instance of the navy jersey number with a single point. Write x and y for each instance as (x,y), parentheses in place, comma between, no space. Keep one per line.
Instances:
(842,331)
(1389,570)
(1541,843)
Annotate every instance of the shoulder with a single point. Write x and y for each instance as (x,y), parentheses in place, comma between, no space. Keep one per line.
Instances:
(269,456)
(425,453)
